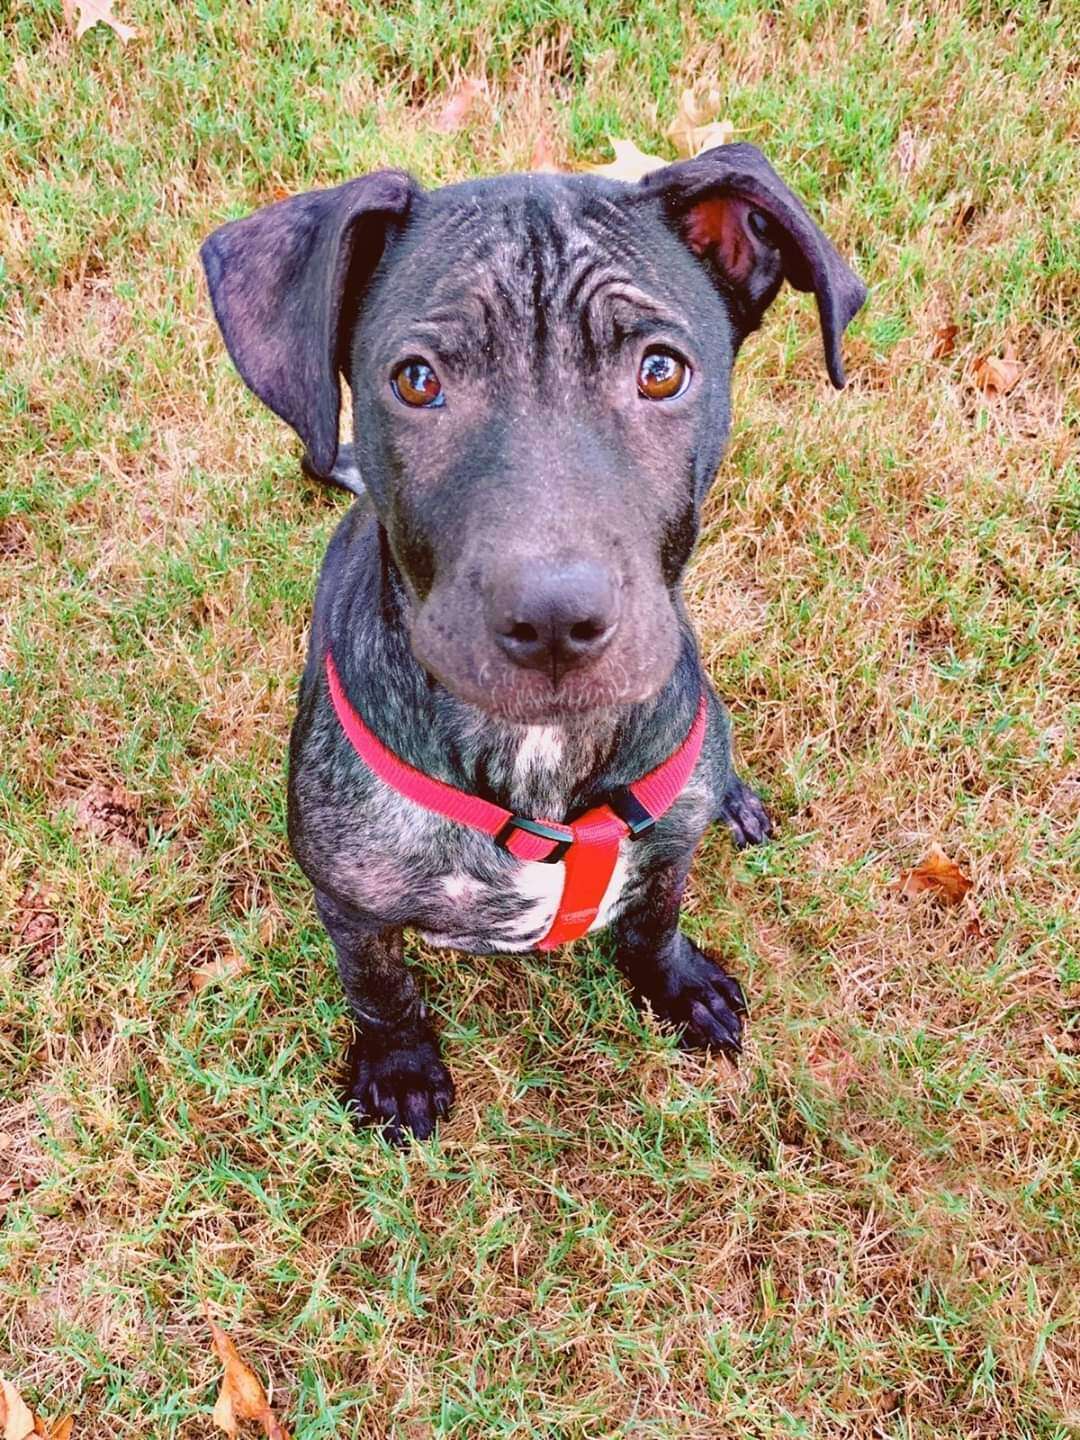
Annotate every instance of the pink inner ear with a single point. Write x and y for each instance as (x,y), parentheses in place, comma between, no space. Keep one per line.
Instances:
(717,228)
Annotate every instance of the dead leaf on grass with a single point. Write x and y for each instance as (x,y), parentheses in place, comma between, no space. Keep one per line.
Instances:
(223,967)
(242,1396)
(16,1415)
(630,163)
(936,873)
(944,341)
(96,12)
(997,374)
(455,112)
(111,814)
(692,131)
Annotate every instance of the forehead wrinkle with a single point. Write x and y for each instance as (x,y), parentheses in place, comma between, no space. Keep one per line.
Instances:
(539,280)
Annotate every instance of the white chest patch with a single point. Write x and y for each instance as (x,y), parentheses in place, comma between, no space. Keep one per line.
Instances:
(542,746)
(542,885)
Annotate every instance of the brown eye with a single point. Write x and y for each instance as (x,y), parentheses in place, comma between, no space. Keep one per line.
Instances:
(662,375)
(415,383)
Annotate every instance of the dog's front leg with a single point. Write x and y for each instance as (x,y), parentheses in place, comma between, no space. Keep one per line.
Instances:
(395,1075)
(680,982)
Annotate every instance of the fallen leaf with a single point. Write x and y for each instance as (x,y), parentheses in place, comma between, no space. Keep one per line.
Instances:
(692,131)
(707,137)
(242,1396)
(542,160)
(15,1415)
(454,113)
(938,874)
(222,967)
(60,1431)
(997,375)
(630,163)
(944,341)
(96,12)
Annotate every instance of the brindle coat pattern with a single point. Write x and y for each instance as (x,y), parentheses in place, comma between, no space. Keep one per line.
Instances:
(533,297)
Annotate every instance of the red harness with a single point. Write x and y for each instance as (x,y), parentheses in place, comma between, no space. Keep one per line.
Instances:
(589,846)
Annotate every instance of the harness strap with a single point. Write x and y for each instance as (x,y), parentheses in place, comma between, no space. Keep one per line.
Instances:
(589,846)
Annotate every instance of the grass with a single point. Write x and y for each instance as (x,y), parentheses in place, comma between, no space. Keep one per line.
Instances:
(871,1228)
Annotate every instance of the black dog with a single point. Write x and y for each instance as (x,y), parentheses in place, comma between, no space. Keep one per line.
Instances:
(540,369)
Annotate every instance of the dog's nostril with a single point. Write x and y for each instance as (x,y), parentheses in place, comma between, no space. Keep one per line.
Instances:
(525,634)
(584,630)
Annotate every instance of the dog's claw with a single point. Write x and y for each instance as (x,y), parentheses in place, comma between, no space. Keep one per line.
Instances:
(400,1083)
(744,814)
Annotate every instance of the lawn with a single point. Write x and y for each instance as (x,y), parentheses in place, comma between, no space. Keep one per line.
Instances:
(869,1229)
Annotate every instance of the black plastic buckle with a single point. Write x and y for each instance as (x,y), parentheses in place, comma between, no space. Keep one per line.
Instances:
(630,810)
(536,827)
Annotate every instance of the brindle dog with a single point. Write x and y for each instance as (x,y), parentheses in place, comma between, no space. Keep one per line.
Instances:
(540,369)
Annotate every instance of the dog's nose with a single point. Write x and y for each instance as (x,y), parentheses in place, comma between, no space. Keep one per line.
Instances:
(555,616)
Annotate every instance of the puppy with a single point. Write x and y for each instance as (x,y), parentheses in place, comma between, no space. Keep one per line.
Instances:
(505,736)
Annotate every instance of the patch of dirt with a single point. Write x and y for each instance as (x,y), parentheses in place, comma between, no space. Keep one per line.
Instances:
(37,929)
(112,815)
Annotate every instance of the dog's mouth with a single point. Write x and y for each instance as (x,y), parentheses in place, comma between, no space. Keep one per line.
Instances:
(530,697)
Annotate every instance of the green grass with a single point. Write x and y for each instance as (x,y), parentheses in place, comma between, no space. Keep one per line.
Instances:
(871,1228)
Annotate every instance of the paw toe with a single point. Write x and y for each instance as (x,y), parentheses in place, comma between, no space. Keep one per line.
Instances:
(745,816)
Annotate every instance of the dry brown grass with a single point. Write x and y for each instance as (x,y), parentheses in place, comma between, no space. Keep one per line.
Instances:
(870,1229)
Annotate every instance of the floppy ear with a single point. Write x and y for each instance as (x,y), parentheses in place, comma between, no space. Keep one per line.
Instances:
(284,284)
(735,213)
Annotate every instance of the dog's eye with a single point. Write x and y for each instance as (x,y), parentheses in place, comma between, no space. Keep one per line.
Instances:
(415,383)
(662,374)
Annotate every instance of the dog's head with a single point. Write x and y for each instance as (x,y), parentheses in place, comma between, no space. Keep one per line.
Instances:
(540,370)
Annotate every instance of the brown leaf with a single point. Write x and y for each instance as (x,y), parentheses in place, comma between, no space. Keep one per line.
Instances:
(112,815)
(15,1414)
(242,1396)
(630,163)
(96,12)
(692,131)
(997,375)
(222,967)
(60,1431)
(944,341)
(454,113)
(936,873)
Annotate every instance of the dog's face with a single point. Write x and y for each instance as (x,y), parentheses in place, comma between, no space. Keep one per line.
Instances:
(540,370)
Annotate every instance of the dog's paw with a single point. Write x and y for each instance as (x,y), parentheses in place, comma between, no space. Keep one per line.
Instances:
(703,1001)
(399,1082)
(745,816)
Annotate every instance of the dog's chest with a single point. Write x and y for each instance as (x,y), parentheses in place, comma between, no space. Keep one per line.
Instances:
(510,906)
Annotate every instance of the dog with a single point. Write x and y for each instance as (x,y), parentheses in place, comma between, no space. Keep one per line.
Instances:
(540,371)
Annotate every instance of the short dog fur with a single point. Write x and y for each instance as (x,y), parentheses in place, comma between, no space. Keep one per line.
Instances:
(503,600)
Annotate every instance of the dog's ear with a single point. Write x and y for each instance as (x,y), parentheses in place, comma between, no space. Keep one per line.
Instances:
(735,213)
(284,284)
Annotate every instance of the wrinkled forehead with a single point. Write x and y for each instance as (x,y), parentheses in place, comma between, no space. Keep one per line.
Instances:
(531,268)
